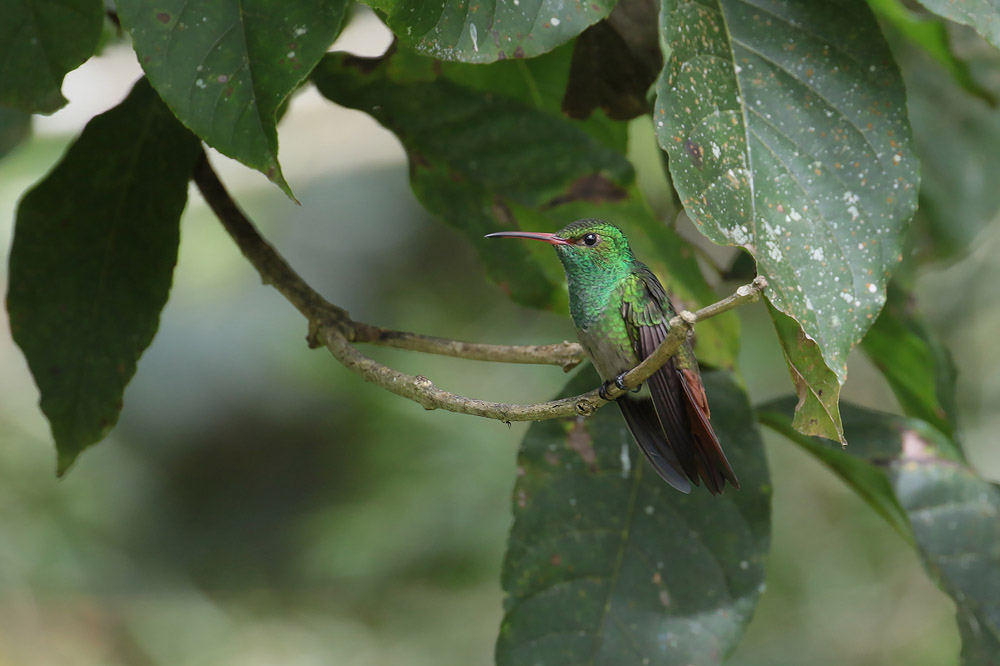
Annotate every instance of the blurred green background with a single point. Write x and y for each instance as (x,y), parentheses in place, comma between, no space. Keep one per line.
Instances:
(258,504)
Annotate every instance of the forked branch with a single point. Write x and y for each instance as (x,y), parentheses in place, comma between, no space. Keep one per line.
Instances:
(332,326)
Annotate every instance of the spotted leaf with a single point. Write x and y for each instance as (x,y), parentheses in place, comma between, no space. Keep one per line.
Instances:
(786,127)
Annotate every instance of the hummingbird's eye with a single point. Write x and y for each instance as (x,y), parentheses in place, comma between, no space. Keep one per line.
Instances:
(590,240)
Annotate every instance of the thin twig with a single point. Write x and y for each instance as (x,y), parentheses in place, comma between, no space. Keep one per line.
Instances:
(332,327)
(565,354)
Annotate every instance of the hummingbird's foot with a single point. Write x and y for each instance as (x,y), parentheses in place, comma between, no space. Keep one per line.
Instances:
(620,383)
(603,392)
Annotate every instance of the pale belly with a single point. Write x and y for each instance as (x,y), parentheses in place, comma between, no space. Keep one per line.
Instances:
(612,354)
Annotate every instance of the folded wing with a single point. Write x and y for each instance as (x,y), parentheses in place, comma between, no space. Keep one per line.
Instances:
(686,443)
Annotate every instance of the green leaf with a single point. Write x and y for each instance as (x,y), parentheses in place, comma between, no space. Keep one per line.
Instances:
(951,515)
(40,41)
(488,31)
(956,137)
(982,15)
(483,162)
(787,134)
(606,564)
(15,126)
(931,34)
(919,370)
(95,244)
(818,411)
(225,68)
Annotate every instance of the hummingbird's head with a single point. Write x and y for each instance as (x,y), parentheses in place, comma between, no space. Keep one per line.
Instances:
(585,247)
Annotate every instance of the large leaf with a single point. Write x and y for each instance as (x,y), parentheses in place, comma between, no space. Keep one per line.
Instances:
(918,368)
(982,15)
(94,249)
(41,40)
(606,564)
(786,127)
(225,67)
(910,471)
(487,31)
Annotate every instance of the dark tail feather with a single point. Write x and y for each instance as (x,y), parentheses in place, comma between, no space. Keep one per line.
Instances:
(713,466)
(640,416)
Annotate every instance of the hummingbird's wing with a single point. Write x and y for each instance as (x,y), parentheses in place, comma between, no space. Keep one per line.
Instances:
(678,395)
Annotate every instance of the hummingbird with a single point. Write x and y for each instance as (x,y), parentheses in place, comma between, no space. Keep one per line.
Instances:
(622,314)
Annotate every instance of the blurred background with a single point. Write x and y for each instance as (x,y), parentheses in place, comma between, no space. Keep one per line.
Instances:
(258,504)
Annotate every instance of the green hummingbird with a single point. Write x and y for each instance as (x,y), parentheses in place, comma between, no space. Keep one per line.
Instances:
(622,314)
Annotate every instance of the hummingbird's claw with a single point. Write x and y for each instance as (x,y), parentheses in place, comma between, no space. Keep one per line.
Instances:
(603,392)
(619,382)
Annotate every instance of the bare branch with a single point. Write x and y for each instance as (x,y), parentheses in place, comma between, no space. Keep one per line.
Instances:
(565,354)
(332,327)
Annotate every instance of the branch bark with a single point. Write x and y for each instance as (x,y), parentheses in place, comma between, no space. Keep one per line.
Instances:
(333,327)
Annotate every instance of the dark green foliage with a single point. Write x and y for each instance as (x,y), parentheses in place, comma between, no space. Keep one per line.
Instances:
(914,476)
(607,564)
(919,370)
(91,263)
(40,41)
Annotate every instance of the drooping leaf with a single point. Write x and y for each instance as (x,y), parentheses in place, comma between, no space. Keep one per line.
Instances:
(40,41)
(919,370)
(475,157)
(982,15)
(817,412)
(951,514)
(615,62)
(224,68)
(930,34)
(955,135)
(606,564)
(95,243)
(15,126)
(488,31)
(787,134)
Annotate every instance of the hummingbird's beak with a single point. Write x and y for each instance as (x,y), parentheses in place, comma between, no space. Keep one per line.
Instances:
(545,238)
